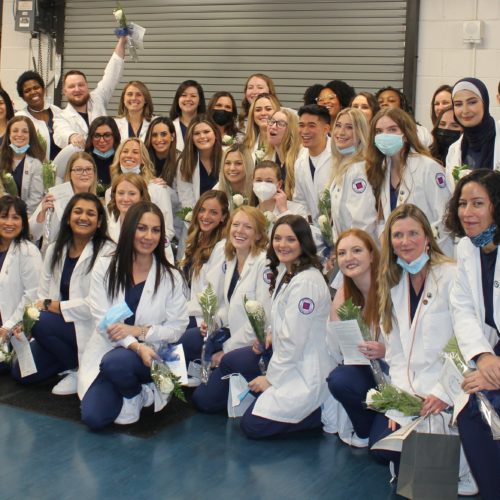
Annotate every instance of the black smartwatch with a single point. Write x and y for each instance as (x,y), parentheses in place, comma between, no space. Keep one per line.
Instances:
(46,304)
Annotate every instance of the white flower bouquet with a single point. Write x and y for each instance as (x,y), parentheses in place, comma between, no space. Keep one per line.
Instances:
(49,181)
(30,316)
(488,412)
(388,397)
(209,306)
(460,171)
(238,200)
(185,214)
(270,219)
(127,29)
(257,318)
(166,381)
(228,140)
(6,355)
(260,153)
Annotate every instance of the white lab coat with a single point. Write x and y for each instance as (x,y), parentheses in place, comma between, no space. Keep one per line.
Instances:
(307,191)
(413,352)
(32,183)
(423,184)
(76,309)
(300,362)
(252,283)
(454,156)
(178,135)
(161,198)
(353,203)
(188,192)
(70,122)
(18,281)
(199,283)
(467,303)
(122,124)
(40,125)
(165,311)
(424,136)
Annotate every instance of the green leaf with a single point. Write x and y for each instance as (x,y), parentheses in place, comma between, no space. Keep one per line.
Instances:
(348,311)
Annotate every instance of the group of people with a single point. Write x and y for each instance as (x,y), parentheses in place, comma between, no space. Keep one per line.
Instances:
(268,205)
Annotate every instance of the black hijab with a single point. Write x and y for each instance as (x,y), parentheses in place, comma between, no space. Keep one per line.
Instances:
(480,139)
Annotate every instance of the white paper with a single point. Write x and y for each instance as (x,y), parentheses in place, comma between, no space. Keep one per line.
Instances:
(451,380)
(62,193)
(349,337)
(394,441)
(178,367)
(24,355)
(137,35)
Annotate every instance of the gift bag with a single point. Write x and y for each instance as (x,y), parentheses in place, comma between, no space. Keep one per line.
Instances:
(239,397)
(428,468)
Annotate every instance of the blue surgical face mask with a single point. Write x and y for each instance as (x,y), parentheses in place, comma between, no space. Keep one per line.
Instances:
(482,239)
(389,144)
(107,154)
(19,150)
(133,170)
(416,266)
(346,151)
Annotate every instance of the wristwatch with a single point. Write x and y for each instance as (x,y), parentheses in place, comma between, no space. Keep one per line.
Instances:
(142,335)
(46,304)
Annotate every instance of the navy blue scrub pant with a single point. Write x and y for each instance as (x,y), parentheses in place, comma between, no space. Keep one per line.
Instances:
(121,375)
(482,452)
(54,348)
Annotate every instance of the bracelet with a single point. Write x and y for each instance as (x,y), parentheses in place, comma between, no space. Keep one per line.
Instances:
(142,336)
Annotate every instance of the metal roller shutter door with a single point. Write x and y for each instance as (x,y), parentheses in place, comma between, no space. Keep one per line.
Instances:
(219,44)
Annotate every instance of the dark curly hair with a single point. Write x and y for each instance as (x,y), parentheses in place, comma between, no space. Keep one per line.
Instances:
(490,181)
(308,256)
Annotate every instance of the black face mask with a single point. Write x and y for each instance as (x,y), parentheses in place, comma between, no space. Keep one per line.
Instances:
(445,138)
(221,116)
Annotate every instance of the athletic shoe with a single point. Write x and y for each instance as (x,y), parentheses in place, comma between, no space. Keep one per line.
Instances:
(467,486)
(66,386)
(131,407)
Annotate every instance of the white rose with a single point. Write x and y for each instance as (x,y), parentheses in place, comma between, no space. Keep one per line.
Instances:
(8,176)
(166,386)
(435,231)
(259,154)
(118,14)
(252,306)
(238,200)
(463,173)
(33,313)
(323,220)
(270,217)
(369,396)
(189,216)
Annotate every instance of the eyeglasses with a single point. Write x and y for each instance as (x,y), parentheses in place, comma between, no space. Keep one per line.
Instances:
(82,171)
(106,136)
(330,97)
(278,123)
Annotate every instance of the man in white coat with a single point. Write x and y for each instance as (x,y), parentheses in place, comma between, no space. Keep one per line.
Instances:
(71,126)
(314,165)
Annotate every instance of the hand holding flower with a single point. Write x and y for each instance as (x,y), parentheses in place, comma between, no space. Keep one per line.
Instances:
(476,381)
(147,354)
(432,404)
(489,366)
(372,349)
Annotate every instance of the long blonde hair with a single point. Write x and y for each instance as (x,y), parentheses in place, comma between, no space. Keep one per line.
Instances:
(147,167)
(341,163)
(390,272)
(291,146)
(253,130)
(248,165)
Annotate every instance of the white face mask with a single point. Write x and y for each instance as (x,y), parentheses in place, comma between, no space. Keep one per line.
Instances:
(264,190)
(133,170)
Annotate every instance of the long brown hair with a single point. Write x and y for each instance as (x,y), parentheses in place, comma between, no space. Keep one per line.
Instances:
(370,308)
(7,154)
(198,249)
(147,111)
(376,165)
(390,272)
(189,156)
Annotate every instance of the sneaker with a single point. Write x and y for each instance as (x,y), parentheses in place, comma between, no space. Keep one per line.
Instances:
(131,407)
(68,385)
(193,382)
(467,486)
(355,441)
